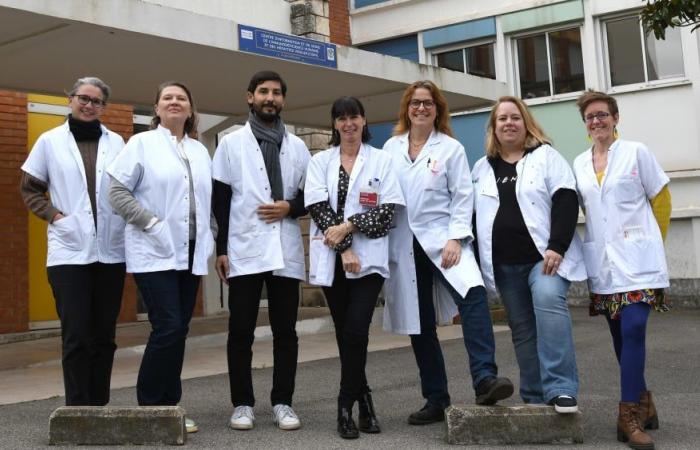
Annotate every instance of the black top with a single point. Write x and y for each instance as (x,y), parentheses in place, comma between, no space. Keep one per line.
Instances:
(374,223)
(512,243)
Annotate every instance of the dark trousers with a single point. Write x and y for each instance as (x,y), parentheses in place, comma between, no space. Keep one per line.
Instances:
(243,303)
(170,296)
(477,331)
(352,302)
(88,299)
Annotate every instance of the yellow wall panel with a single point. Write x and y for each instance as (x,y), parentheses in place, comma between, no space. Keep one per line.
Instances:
(41,302)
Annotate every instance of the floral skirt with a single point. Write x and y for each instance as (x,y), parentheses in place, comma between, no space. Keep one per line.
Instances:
(612,304)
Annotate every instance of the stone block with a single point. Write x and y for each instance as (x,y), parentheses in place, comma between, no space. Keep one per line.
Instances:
(107,425)
(511,425)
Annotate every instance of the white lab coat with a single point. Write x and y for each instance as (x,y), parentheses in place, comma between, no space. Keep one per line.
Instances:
(56,160)
(623,247)
(438,192)
(372,172)
(541,173)
(151,168)
(253,245)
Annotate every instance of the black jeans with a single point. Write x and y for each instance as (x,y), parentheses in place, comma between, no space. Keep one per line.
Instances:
(243,303)
(88,299)
(352,302)
(170,297)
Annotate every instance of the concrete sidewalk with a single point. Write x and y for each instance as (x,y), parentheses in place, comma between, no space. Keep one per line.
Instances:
(673,364)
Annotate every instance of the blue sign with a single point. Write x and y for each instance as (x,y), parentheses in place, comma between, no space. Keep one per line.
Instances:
(284,46)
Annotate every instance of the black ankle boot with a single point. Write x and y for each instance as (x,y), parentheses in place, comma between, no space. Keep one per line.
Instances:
(346,426)
(368,417)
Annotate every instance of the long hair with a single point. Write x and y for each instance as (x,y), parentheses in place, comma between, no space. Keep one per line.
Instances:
(534,136)
(191,122)
(442,116)
(347,106)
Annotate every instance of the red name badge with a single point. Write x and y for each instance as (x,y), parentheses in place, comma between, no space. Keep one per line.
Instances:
(369,198)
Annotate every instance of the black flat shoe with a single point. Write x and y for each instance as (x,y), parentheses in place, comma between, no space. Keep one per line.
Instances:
(368,422)
(346,426)
(492,390)
(427,415)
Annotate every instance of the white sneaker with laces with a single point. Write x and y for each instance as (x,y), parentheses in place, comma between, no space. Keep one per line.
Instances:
(242,418)
(285,417)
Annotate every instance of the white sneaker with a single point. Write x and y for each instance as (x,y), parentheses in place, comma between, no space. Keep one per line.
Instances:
(190,425)
(242,418)
(285,418)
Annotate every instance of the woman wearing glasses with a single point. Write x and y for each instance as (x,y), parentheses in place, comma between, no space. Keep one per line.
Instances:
(432,240)
(627,203)
(161,185)
(526,213)
(85,260)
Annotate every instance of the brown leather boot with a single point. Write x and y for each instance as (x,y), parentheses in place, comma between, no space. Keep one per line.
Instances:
(629,428)
(647,411)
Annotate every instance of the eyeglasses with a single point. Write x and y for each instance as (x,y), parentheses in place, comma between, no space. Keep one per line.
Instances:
(85,99)
(415,104)
(599,115)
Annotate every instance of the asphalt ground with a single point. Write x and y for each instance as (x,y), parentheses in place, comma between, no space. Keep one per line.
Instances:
(673,374)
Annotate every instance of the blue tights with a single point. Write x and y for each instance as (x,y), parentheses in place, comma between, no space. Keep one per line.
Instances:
(629,333)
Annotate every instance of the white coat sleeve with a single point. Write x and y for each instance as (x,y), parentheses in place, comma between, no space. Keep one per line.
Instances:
(315,189)
(36,165)
(559,174)
(459,183)
(305,158)
(651,174)
(127,167)
(220,163)
(390,191)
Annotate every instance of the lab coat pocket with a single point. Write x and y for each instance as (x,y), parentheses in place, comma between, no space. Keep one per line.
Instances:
(67,232)
(157,241)
(321,262)
(244,243)
(592,257)
(628,190)
(640,256)
(437,179)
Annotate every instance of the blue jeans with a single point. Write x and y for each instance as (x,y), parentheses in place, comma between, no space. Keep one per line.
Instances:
(170,297)
(539,319)
(477,330)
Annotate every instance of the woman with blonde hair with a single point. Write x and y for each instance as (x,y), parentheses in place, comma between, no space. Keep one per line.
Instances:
(432,241)
(526,214)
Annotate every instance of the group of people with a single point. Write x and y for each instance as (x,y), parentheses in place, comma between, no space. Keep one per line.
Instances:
(411,218)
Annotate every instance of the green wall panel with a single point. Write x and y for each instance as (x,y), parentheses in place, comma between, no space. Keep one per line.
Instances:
(562,123)
(542,16)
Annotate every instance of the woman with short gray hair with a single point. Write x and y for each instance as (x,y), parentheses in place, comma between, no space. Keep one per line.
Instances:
(85,261)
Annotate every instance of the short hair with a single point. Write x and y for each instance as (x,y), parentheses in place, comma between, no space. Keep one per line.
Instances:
(442,117)
(266,75)
(347,106)
(93,81)
(591,96)
(534,136)
(191,122)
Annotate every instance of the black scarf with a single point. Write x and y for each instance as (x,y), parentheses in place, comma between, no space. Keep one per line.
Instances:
(84,131)
(270,139)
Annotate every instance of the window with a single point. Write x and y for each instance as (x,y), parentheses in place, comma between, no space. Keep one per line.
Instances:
(550,63)
(475,60)
(635,56)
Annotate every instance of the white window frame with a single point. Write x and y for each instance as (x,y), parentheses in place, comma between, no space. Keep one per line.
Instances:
(516,64)
(646,83)
(463,46)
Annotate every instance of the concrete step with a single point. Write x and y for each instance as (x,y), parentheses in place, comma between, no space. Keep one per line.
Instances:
(107,425)
(511,425)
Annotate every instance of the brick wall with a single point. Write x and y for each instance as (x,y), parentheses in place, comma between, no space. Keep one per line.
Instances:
(339,17)
(14,252)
